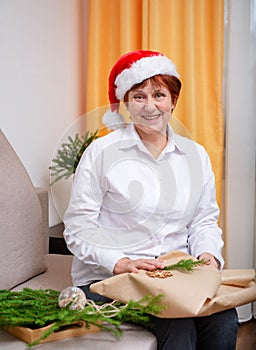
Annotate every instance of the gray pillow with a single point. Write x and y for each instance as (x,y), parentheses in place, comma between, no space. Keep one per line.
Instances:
(22,241)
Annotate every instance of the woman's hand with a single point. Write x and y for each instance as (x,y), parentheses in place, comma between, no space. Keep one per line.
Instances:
(128,265)
(210,259)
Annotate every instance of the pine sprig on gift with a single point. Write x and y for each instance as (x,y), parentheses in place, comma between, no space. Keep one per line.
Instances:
(185,265)
(39,308)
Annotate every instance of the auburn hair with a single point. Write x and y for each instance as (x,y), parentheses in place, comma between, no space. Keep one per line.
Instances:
(172,83)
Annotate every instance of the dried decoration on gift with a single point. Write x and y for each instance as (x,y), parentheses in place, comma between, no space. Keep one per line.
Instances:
(159,274)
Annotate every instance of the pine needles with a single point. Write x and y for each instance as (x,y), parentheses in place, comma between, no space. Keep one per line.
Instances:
(185,265)
(69,155)
(28,308)
(39,308)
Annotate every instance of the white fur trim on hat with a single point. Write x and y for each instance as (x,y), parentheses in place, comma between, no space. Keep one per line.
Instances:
(113,120)
(142,69)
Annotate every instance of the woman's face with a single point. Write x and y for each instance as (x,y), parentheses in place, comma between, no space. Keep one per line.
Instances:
(150,108)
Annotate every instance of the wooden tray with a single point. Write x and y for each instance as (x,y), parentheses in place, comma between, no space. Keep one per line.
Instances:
(30,335)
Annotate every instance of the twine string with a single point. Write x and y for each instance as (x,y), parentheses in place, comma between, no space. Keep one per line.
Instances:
(107,310)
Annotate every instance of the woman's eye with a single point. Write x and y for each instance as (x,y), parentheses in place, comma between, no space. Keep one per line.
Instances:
(138,97)
(159,95)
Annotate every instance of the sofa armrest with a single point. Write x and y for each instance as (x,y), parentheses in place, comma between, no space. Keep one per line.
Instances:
(42,194)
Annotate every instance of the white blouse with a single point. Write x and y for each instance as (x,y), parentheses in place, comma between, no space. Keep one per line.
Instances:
(126,203)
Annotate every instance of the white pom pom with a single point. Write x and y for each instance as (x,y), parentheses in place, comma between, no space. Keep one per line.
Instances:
(113,120)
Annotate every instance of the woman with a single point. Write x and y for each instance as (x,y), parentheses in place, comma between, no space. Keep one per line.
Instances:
(143,191)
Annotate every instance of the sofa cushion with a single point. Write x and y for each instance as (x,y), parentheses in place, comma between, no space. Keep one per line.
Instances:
(57,276)
(21,231)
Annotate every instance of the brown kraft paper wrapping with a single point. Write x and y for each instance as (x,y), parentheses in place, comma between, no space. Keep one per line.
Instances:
(202,292)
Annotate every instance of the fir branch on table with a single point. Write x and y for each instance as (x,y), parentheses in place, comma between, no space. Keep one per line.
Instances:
(39,308)
(28,308)
(185,265)
(139,311)
(69,155)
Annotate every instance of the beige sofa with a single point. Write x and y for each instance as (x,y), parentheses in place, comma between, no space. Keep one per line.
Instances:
(25,261)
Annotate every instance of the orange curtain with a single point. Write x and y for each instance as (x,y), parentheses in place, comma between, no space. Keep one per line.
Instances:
(190,32)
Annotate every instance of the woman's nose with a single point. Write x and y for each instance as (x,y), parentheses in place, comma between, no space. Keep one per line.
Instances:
(149,105)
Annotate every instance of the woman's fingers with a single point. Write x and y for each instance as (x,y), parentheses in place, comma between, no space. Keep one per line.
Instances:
(146,264)
(128,265)
(209,259)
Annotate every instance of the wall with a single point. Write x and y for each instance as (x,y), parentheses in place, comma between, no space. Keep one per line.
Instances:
(240,112)
(41,85)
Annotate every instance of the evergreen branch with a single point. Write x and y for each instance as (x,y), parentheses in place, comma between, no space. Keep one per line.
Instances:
(39,308)
(69,155)
(185,265)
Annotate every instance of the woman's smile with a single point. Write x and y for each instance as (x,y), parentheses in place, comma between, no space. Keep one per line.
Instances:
(151,117)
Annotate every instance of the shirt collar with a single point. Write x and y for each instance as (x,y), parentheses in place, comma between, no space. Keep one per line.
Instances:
(174,141)
(131,138)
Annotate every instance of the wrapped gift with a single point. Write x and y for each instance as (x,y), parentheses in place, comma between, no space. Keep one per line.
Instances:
(201,292)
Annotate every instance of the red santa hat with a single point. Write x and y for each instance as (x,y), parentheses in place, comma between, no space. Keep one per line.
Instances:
(133,68)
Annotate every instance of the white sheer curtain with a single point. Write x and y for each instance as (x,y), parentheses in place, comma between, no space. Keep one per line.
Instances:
(240,114)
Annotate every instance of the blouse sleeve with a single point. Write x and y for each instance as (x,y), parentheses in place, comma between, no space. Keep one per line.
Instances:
(204,234)
(84,237)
